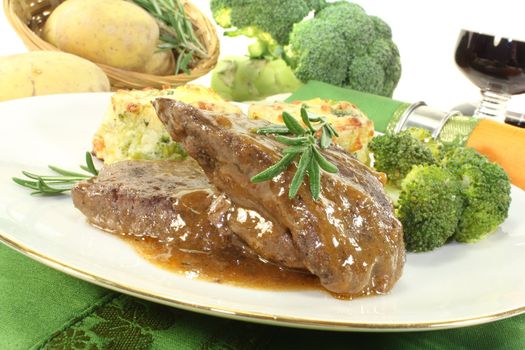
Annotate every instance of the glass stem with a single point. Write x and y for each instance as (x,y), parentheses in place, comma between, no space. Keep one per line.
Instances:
(493,105)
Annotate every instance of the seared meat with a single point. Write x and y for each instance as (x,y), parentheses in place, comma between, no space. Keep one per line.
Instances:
(164,200)
(349,238)
(174,203)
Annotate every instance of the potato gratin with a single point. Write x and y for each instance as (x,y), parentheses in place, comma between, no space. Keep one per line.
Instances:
(132,130)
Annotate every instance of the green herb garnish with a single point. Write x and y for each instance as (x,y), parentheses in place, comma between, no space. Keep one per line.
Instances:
(50,185)
(176,31)
(305,143)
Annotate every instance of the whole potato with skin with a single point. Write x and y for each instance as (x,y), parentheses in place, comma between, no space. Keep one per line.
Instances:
(160,63)
(117,33)
(48,72)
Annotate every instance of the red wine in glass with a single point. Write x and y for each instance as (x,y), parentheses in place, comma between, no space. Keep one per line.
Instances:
(496,65)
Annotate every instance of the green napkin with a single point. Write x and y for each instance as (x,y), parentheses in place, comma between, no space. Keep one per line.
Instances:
(378,108)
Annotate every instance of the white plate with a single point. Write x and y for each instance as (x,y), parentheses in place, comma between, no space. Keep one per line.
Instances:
(457,285)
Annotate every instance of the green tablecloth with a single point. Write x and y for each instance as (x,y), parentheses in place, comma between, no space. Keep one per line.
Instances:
(43,308)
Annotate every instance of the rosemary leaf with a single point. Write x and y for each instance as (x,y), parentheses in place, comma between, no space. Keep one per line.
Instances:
(295,149)
(177,63)
(275,169)
(26,183)
(280,130)
(168,39)
(323,162)
(314,176)
(178,28)
(326,140)
(66,172)
(306,120)
(332,130)
(292,124)
(186,58)
(85,168)
(44,188)
(60,178)
(90,165)
(299,174)
(290,141)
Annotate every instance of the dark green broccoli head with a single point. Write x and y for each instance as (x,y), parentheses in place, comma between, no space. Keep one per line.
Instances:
(429,207)
(317,52)
(385,54)
(270,21)
(396,154)
(356,26)
(382,28)
(316,5)
(366,75)
(486,189)
(362,43)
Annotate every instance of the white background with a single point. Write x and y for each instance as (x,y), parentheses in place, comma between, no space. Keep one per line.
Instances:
(425,32)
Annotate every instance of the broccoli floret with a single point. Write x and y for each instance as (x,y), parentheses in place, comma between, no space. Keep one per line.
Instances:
(424,136)
(356,27)
(242,78)
(341,45)
(316,5)
(446,191)
(382,28)
(352,49)
(269,21)
(429,207)
(222,12)
(318,52)
(396,154)
(366,75)
(486,189)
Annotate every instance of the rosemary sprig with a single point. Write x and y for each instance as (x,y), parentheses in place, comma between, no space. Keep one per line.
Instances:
(304,143)
(52,185)
(176,31)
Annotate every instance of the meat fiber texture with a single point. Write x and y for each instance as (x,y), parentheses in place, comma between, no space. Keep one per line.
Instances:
(349,238)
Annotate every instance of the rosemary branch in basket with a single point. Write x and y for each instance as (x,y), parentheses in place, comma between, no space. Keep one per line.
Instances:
(176,31)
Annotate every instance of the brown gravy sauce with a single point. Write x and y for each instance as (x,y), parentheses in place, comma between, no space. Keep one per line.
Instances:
(228,267)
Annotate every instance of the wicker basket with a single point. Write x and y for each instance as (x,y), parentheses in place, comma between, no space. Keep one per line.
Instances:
(28,17)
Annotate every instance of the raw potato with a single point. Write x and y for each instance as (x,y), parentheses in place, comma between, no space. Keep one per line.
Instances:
(160,63)
(48,72)
(113,32)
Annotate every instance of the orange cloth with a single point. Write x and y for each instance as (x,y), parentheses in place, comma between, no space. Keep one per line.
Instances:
(503,144)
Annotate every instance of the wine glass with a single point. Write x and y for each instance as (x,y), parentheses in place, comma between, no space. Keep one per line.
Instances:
(496,65)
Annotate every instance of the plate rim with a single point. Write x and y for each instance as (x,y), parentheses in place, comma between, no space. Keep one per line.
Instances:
(250,316)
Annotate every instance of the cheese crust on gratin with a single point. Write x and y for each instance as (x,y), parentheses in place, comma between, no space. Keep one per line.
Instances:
(354,128)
